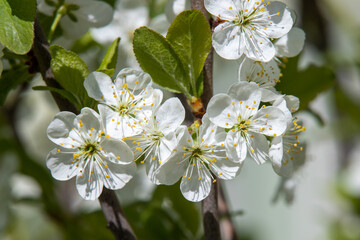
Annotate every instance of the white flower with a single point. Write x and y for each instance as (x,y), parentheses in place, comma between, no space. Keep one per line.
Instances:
(125,104)
(87,152)
(196,160)
(248,125)
(158,137)
(248,26)
(286,152)
(84,13)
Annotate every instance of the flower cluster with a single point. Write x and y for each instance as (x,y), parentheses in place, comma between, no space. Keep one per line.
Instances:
(251,119)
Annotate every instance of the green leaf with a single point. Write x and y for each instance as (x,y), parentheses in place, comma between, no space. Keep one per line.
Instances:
(190,36)
(17,23)
(109,61)
(68,95)
(70,71)
(157,57)
(306,84)
(11,78)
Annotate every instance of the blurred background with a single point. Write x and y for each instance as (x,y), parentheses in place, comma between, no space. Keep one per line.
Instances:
(322,201)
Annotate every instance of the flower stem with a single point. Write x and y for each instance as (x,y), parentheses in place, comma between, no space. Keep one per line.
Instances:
(59,14)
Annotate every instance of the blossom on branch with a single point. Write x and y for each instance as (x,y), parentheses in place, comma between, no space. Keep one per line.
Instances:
(86,151)
(248,125)
(248,27)
(159,136)
(197,159)
(125,104)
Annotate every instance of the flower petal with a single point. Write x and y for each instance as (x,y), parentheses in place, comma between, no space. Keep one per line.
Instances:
(218,109)
(135,79)
(258,47)
(197,185)
(117,151)
(227,10)
(291,44)
(170,115)
(118,174)
(89,184)
(99,86)
(88,121)
(258,147)
(61,164)
(236,147)
(270,121)
(170,172)
(281,19)
(59,129)
(265,74)
(228,41)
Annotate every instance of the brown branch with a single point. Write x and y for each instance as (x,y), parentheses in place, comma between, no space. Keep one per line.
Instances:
(115,218)
(210,203)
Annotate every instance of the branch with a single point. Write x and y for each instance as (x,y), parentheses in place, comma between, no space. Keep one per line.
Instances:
(209,204)
(108,200)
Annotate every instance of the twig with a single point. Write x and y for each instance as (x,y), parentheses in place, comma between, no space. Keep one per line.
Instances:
(209,204)
(110,205)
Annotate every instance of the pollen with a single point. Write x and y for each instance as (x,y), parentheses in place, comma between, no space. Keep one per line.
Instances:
(107,176)
(106,166)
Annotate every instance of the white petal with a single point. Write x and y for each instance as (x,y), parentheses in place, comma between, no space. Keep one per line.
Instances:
(117,151)
(135,79)
(226,9)
(197,185)
(258,147)
(282,22)
(212,134)
(89,185)
(242,90)
(170,115)
(276,152)
(292,102)
(258,48)
(89,120)
(218,109)
(265,74)
(236,147)
(291,44)
(281,104)
(228,41)
(99,86)
(59,129)
(270,121)
(116,126)
(119,175)
(225,168)
(170,172)
(60,164)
